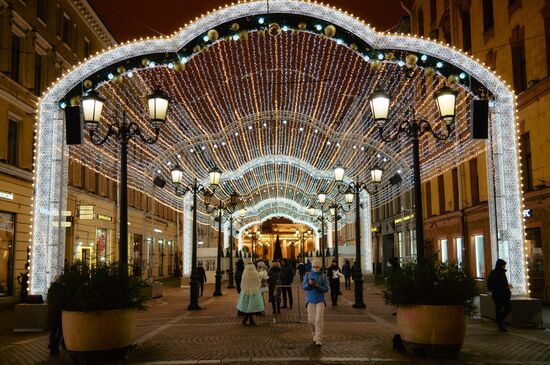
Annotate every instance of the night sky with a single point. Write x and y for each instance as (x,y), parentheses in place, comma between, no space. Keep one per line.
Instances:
(129,19)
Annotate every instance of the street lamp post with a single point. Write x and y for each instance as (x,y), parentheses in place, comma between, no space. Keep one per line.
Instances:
(230,274)
(322,219)
(123,132)
(195,188)
(351,192)
(415,128)
(334,208)
(301,235)
(221,208)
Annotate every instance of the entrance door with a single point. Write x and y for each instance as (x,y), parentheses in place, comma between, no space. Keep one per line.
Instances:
(533,244)
(387,252)
(7,234)
(85,256)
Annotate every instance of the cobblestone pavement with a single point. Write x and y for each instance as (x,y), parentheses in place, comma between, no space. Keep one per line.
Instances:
(169,334)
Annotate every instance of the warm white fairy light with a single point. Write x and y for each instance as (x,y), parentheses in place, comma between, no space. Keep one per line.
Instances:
(46,238)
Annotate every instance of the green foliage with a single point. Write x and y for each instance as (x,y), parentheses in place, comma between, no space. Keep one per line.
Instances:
(102,287)
(429,282)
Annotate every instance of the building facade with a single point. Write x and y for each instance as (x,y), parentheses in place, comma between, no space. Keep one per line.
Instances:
(513,38)
(39,41)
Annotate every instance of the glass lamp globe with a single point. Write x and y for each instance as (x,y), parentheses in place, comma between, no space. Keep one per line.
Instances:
(92,105)
(339,173)
(349,196)
(376,175)
(215,176)
(380,106)
(322,197)
(158,108)
(242,212)
(177,174)
(446,103)
(312,211)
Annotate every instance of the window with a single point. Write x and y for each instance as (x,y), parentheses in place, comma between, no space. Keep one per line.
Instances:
(37,74)
(488,18)
(65,28)
(150,257)
(458,246)
(433,11)
(454,173)
(74,37)
(400,244)
(13,139)
(7,234)
(444,251)
(527,166)
(474,183)
(441,194)
(518,59)
(161,259)
(466,31)
(41,9)
(480,256)
(170,257)
(412,240)
(87,49)
(428,199)
(15,59)
(102,245)
(420,22)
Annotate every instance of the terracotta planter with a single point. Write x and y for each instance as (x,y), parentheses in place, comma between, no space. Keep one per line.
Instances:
(103,331)
(437,330)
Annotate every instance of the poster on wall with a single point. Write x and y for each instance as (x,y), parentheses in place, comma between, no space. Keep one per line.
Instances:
(101,245)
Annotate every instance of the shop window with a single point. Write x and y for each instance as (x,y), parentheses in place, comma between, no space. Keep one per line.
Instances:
(412,240)
(15,57)
(535,261)
(488,16)
(400,245)
(458,246)
(161,257)
(480,256)
(170,257)
(7,242)
(138,255)
(150,257)
(102,246)
(444,250)
(13,141)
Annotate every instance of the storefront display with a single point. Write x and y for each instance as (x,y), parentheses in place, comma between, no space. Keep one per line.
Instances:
(7,234)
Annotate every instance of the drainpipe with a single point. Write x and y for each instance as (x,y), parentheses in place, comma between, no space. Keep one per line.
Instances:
(463,224)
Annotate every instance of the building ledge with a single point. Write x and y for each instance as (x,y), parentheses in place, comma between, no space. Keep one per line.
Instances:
(532,94)
(16,172)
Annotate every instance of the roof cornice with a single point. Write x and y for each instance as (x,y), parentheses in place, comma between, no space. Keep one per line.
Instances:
(88,13)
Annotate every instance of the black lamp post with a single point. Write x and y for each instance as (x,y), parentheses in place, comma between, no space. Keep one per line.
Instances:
(301,236)
(415,128)
(221,208)
(334,209)
(230,273)
(123,131)
(322,219)
(195,188)
(351,191)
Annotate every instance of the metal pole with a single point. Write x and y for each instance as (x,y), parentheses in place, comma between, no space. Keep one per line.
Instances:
(323,240)
(358,273)
(336,234)
(218,287)
(417,196)
(230,284)
(123,242)
(194,284)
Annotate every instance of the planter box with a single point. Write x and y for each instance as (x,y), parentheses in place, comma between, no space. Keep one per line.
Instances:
(525,311)
(155,290)
(31,317)
(432,329)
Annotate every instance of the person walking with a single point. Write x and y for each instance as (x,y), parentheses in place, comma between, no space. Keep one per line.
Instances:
(201,276)
(250,301)
(346,270)
(287,277)
(334,275)
(239,265)
(54,297)
(316,285)
(308,266)
(302,271)
(262,273)
(497,283)
(274,290)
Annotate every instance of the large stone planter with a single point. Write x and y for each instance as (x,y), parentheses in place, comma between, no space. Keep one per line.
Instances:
(432,329)
(95,337)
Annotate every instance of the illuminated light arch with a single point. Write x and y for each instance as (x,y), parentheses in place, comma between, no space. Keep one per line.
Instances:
(51,158)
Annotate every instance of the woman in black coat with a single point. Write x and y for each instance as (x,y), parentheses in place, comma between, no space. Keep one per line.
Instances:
(239,273)
(497,283)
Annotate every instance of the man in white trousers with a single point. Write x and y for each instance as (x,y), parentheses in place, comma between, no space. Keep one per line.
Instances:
(316,285)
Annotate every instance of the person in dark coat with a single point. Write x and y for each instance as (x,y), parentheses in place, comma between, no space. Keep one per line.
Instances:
(346,270)
(334,275)
(497,283)
(56,294)
(201,276)
(239,265)
(302,270)
(274,281)
(287,277)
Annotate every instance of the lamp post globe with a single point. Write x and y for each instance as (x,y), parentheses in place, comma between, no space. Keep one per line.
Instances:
(158,108)
(445,99)
(376,175)
(380,106)
(92,106)
(339,172)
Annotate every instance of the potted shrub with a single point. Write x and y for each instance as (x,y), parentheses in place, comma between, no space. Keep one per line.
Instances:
(433,301)
(98,306)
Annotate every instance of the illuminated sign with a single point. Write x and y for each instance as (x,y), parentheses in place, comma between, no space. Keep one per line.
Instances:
(405,218)
(86,212)
(104,217)
(527,213)
(5,195)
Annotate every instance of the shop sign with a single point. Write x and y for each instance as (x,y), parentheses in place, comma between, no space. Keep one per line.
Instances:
(104,217)
(86,212)
(527,213)
(405,218)
(63,224)
(4,195)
